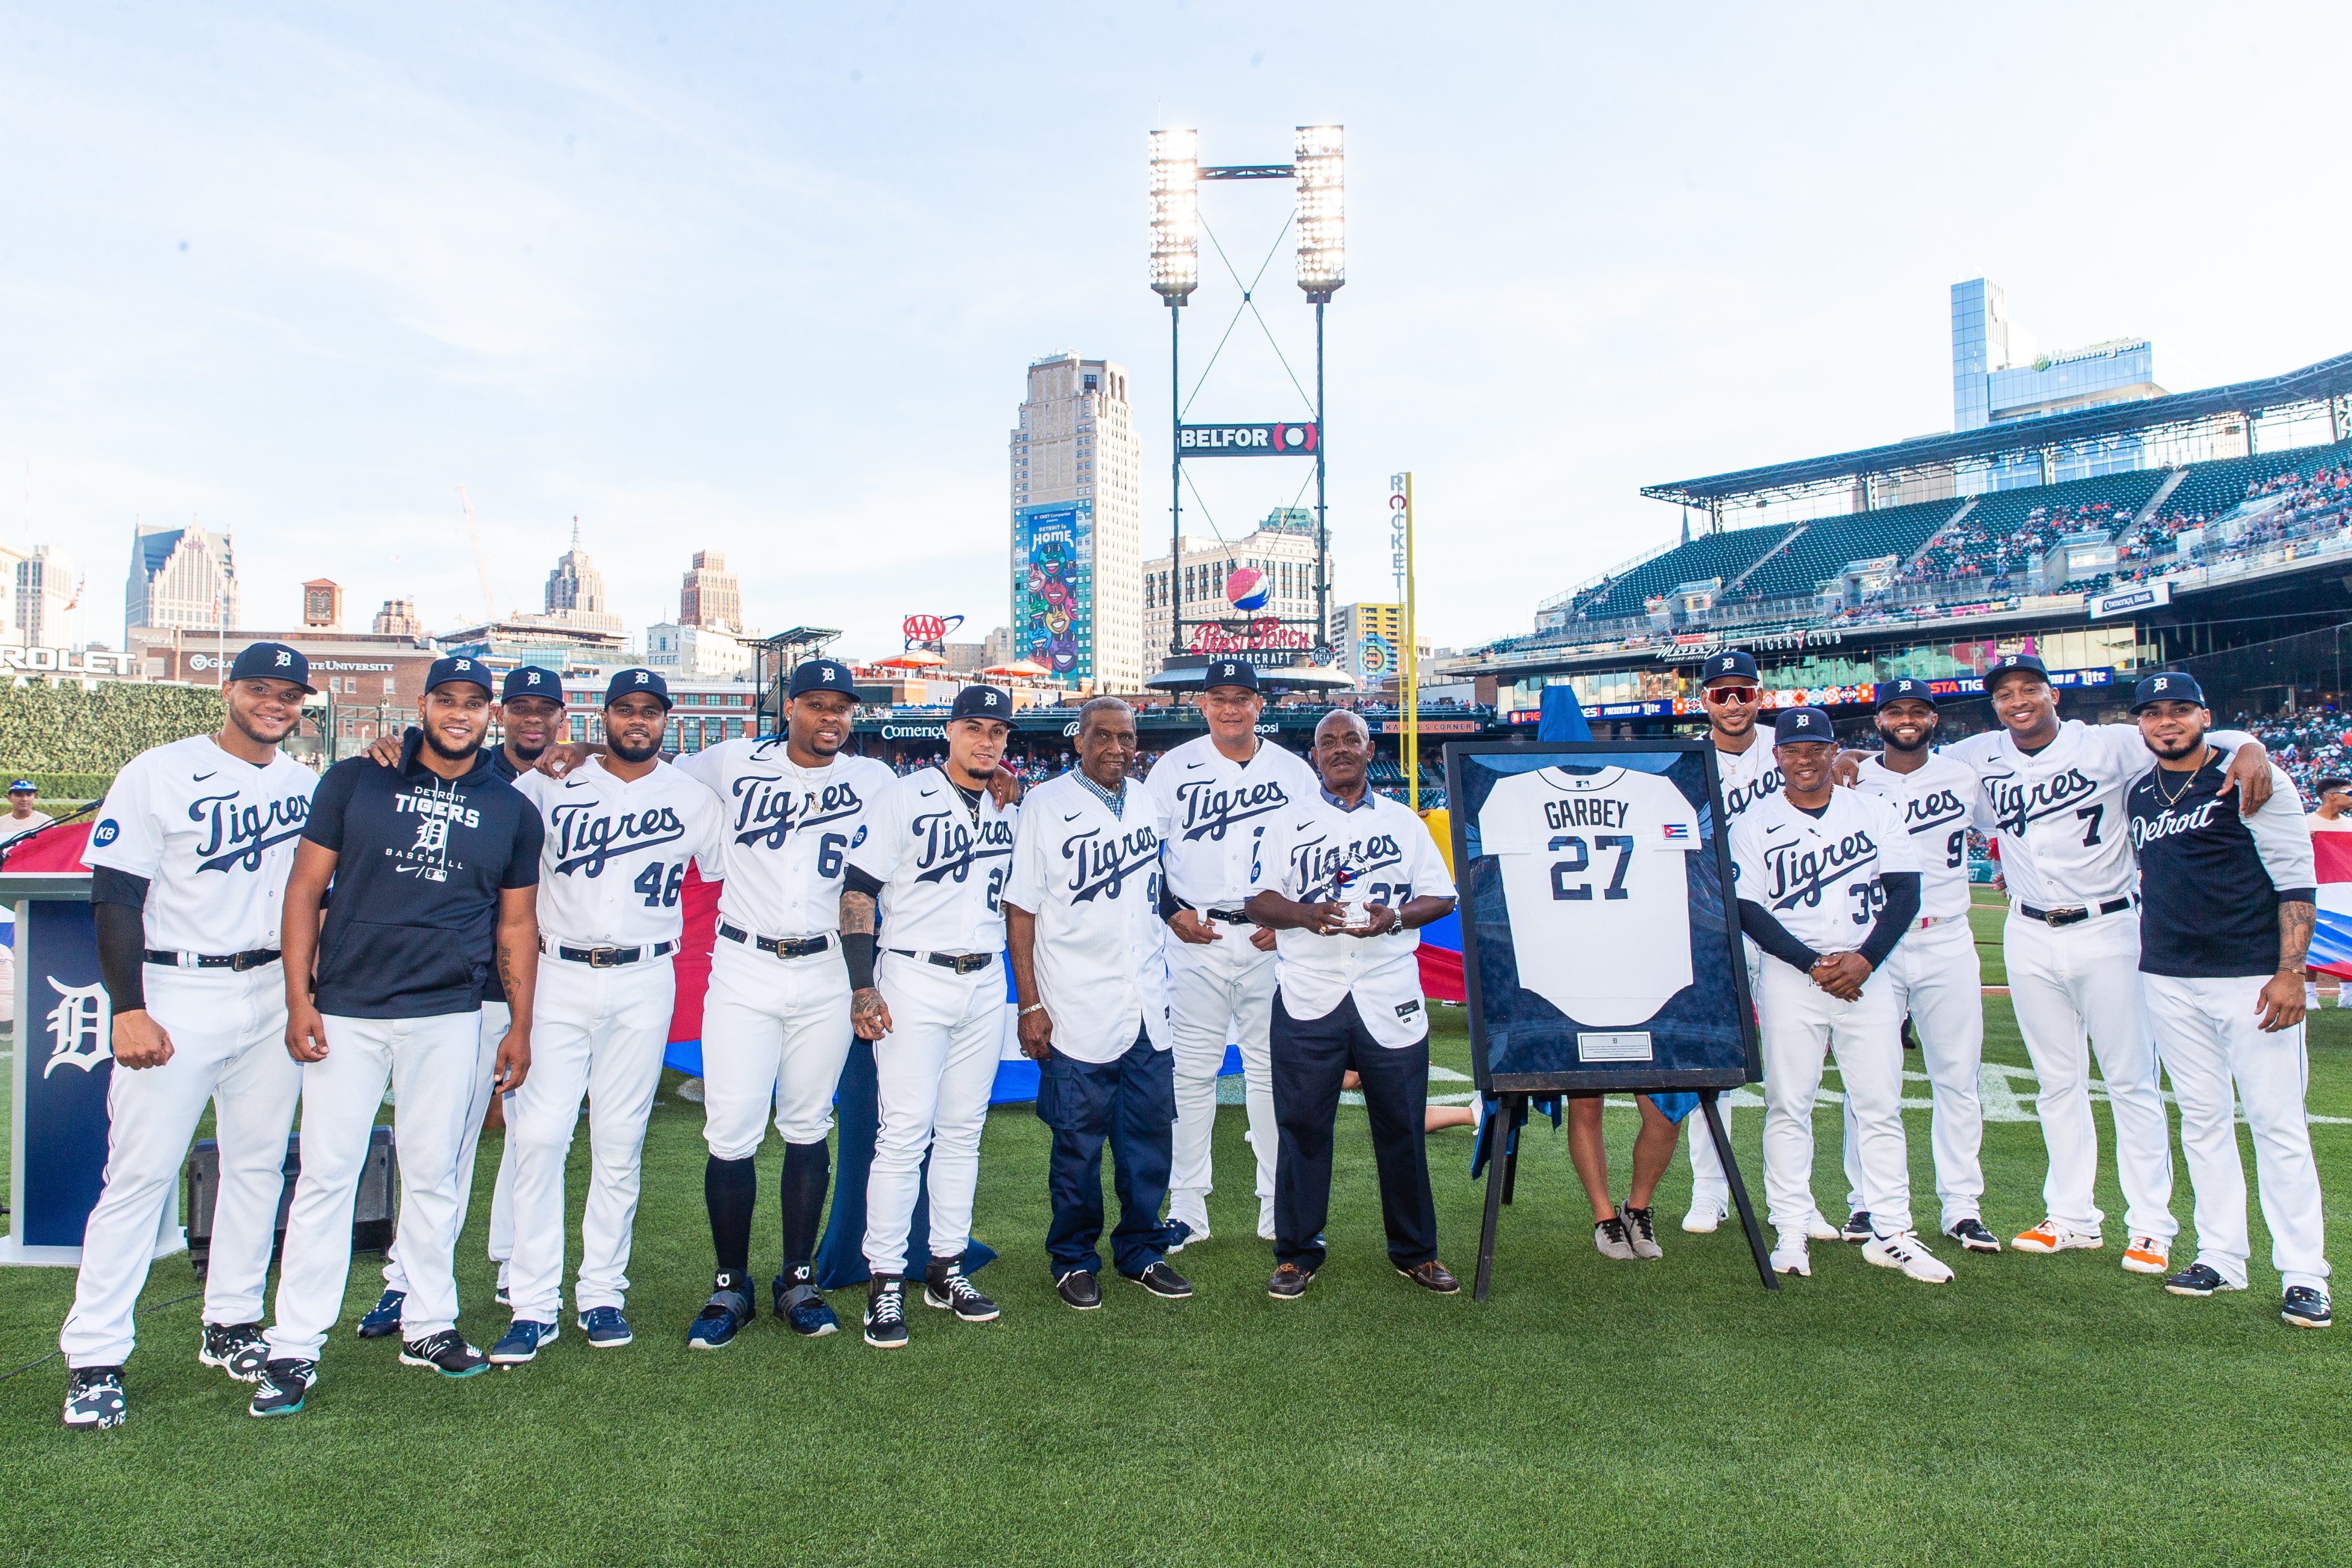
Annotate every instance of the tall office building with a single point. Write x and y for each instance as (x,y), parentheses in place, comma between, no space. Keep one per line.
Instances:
(710,595)
(398,618)
(1999,373)
(182,576)
(1200,578)
(1078,526)
(47,590)
(576,590)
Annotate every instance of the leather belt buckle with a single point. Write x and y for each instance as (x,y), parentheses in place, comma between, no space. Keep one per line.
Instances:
(257,958)
(1230,917)
(604,957)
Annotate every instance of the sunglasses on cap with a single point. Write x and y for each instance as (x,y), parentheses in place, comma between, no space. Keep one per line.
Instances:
(1729,694)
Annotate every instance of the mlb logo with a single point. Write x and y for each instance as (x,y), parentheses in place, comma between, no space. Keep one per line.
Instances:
(1675,833)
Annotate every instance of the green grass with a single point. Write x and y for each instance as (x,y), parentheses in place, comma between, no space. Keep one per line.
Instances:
(2038,1409)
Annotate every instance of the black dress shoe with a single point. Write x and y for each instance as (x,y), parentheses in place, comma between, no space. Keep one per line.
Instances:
(1163,1282)
(1432,1276)
(1289,1282)
(1079,1289)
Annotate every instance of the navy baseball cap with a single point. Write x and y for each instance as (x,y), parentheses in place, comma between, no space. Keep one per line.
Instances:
(624,682)
(2168,686)
(821,676)
(1904,687)
(531,681)
(460,668)
(1802,724)
(1229,673)
(1730,662)
(272,662)
(982,702)
(2008,661)
(23,787)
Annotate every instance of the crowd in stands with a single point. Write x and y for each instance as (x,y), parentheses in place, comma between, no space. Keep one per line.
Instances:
(2310,503)
(2309,746)
(1979,551)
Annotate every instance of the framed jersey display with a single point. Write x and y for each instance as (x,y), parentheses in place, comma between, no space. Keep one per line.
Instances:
(1600,940)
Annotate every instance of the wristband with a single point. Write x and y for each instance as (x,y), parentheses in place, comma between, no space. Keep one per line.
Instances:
(1032,1008)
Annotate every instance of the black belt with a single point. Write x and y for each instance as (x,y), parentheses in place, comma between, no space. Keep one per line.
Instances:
(782,947)
(961,963)
(1230,917)
(240,962)
(607,957)
(2071,916)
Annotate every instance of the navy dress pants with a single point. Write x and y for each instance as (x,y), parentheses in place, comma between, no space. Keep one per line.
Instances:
(1310,1056)
(1131,1104)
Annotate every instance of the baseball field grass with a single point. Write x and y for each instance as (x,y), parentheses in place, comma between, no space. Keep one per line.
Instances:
(2036,1410)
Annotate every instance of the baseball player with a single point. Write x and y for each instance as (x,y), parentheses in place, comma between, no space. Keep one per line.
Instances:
(776,1024)
(436,870)
(1829,883)
(2054,792)
(1347,879)
(1933,975)
(2226,913)
(618,832)
(1220,793)
(530,711)
(1090,970)
(187,864)
(933,867)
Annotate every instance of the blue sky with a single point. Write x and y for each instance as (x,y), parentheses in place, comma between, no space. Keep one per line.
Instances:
(765,279)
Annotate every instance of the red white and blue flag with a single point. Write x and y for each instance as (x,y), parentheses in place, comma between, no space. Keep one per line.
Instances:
(2331,937)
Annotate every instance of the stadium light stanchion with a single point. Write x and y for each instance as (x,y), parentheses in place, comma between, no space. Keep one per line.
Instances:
(1318,163)
(1175,273)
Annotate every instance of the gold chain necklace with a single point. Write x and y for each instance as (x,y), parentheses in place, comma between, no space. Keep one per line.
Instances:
(2175,798)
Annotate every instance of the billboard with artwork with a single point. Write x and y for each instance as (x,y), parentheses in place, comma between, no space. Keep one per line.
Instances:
(1052,587)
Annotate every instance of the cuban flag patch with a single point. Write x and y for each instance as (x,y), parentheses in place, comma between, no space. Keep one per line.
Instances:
(1675,833)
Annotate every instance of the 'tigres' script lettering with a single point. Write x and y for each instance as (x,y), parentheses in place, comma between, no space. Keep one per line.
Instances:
(587,836)
(1739,797)
(951,846)
(768,808)
(1937,809)
(2015,803)
(1324,869)
(1101,863)
(1802,873)
(238,832)
(1208,811)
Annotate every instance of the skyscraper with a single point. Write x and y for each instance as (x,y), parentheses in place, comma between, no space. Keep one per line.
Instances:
(710,595)
(47,589)
(576,590)
(1077,525)
(181,577)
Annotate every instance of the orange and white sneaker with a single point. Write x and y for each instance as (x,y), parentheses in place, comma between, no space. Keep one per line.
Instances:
(2148,1255)
(2057,1236)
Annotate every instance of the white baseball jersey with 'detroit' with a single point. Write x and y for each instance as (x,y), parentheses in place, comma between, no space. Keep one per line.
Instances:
(614,859)
(1594,878)
(943,875)
(1219,812)
(1935,801)
(788,832)
(1818,876)
(1093,882)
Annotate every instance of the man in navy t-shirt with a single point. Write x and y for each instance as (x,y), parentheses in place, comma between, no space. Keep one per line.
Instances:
(435,868)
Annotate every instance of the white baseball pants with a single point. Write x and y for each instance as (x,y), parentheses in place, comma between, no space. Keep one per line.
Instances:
(2207,1034)
(1219,993)
(597,1033)
(933,1072)
(1708,1184)
(2061,979)
(1936,977)
(1802,1023)
(228,1046)
(429,1063)
(774,1033)
(495,1019)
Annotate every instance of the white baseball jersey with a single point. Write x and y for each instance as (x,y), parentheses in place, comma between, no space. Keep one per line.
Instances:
(612,861)
(1596,883)
(213,835)
(2065,837)
(1818,876)
(1748,777)
(1219,812)
(1380,853)
(1935,801)
(788,832)
(943,875)
(1093,882)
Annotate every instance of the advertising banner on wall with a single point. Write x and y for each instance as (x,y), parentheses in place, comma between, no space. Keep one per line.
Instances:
(1248,440)
(1053,585)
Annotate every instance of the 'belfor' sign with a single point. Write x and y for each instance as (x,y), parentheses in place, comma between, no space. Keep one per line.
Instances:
(1247,440)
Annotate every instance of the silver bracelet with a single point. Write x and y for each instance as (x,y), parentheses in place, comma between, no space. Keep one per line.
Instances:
(1032,1008)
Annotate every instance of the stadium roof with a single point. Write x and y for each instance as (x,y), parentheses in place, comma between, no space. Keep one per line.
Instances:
(2328,378)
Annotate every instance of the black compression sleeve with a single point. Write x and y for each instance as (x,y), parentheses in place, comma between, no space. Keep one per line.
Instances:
(1769,934)
(852,880)
(857,952)
(1902,907)
(107,886)
(1169,903)
(122,955)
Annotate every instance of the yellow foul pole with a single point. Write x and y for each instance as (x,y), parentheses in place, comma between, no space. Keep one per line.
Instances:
(1409,682)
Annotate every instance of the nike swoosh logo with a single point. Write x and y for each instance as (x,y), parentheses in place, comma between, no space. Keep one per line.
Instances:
(1196,765)
(1074,816)
(202,776)
(925,794)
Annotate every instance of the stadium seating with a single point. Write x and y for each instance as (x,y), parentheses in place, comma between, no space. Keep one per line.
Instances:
(2008,531)
(1825,544)
(1710,555)
(2209,489)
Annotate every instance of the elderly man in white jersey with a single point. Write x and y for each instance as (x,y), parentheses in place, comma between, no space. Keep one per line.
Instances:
(1220,793)
(188,866)
(931,872)
(620,830)
(2053,794)
(1933,975)
(1827,882)
(1090,972)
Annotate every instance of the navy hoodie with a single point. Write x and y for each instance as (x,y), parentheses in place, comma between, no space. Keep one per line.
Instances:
(412,927)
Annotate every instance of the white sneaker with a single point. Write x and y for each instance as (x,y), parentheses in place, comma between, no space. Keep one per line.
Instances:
(1907,1253)
(2056,1236)
(1706,1212)
(1788,1255)
(1820,1229)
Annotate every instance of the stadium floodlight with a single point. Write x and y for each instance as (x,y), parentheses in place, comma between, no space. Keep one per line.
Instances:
(1175,214)
(1318,163)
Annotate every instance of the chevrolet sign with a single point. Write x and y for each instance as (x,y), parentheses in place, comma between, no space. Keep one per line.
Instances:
(1247,440)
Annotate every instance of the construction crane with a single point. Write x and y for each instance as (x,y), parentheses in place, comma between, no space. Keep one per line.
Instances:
(481,568)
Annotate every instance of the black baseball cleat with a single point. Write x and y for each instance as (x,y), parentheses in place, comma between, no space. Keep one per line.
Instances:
(445,1352)
(1079,1289)
(382,1319)
(886,1312)
(94,1398)
(2198,1280)
(285,1384)
(1163,1282)
(236,1349)
(1857,1228)
(945,1287)
(1289,1282)
(1971,1234)
(2305,1308)
(723,1316)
